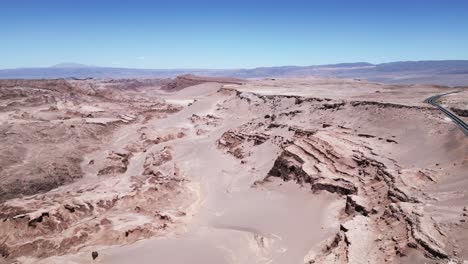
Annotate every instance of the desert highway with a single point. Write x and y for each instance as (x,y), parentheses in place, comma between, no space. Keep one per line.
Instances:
(433,101)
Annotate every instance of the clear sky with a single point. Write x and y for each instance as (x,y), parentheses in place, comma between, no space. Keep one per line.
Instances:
(229,33)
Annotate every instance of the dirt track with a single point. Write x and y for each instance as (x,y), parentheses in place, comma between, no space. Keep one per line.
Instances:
(328,171)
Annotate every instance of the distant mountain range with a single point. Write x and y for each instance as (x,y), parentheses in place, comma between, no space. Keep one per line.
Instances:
(70,65)
(446,72)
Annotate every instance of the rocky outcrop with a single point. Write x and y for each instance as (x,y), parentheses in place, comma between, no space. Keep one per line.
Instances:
(390,105)
(116,163)
(187,80)
(332,106)
(204,123)
(111,211)
(233,141)
(459,111)
(379,205)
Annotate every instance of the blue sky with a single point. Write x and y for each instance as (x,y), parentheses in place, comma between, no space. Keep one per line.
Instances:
(229,33)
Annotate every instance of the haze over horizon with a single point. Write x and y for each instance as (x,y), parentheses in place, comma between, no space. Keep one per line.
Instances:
(229,34)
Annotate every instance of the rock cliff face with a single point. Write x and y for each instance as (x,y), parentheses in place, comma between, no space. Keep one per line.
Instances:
(381,218)
(187,80)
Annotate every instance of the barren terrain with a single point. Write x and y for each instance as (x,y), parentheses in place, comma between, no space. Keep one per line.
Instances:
(220,170)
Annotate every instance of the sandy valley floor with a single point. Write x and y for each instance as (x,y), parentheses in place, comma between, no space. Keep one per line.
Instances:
(193,170)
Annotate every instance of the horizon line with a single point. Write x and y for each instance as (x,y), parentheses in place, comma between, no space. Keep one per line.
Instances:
(85,66)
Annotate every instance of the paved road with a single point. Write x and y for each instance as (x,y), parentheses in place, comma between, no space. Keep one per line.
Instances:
(433,101)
